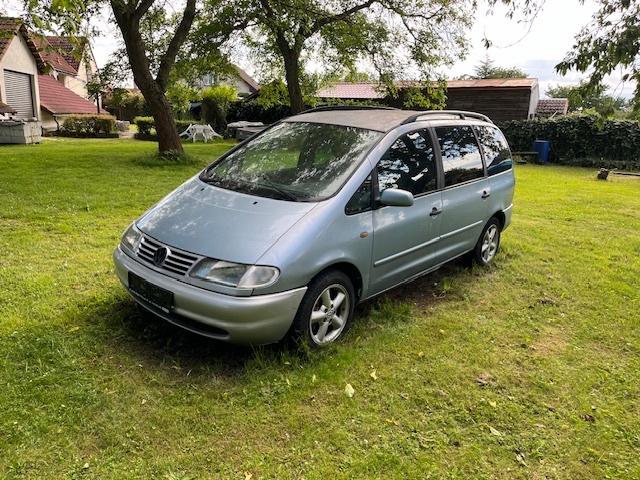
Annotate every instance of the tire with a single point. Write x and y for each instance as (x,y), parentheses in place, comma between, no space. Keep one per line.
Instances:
(488,243)
(326,309)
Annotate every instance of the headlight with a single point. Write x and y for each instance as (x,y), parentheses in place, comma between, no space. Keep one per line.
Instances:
(131,237)
(235,275)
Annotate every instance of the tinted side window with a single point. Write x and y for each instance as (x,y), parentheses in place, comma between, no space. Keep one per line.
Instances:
(496,150)
(461,158)
(409,164)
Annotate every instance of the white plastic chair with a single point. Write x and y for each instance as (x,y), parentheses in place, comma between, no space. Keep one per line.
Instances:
(187,132)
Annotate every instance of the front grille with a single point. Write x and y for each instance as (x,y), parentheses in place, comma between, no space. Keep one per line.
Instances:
(175,262)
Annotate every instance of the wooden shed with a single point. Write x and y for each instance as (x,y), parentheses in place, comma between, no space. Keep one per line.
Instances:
(500,99)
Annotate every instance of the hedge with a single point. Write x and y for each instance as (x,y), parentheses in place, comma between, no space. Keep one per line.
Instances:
(580,140)
(89,126)
(250,110)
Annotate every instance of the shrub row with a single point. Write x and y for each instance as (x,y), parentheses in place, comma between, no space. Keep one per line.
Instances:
(89,125)
(252,111)
(580,140)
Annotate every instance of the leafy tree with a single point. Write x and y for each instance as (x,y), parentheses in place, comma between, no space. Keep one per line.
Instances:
(398,37)
(582,97)
(180,95)
(272,94)
(151,64)
(354,76)
(215,105)
(486,69)
(611,40)
(128,15)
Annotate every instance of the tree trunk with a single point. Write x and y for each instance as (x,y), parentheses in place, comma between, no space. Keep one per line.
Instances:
(128,16)
(292,75)
(168,136)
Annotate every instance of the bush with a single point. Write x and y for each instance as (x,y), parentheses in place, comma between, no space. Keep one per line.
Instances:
(251,111)
(215,105)
(580,140)
(145,125)
(89,125)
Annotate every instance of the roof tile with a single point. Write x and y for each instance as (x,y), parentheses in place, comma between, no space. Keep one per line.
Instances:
(9,28)
(51,57)
(66,48)
(58,100)
(552,106)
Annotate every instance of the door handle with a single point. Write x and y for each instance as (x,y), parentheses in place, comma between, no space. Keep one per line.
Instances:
(435,212)
(486,194)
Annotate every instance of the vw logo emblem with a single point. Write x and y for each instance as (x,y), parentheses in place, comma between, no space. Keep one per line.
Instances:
(160,256)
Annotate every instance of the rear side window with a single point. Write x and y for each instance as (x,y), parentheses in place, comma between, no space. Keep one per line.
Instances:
(496,150)
(409,164)
(461,158)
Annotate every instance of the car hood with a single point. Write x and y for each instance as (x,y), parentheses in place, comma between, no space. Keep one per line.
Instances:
(218,223)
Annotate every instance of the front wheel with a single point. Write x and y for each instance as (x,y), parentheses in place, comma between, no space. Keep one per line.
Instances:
(488,243)
(326,309)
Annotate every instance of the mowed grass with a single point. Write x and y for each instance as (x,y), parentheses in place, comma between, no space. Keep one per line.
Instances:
(527,369)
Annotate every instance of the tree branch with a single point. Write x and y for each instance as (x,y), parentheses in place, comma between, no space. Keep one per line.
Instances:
(169,57)
(323,22)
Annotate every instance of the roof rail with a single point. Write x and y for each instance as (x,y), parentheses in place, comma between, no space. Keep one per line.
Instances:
(328,108)
(454,113)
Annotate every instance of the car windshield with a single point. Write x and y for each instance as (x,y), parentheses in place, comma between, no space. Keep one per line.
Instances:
(294,161)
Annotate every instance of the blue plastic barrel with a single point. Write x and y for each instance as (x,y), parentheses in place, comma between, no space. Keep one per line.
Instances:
(542,147)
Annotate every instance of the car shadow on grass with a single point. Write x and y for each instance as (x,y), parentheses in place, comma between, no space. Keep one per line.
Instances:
(157,341)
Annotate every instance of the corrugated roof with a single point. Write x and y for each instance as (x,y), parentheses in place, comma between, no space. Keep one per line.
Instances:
(58,100)
(362,90)
(516,83)
(369,90)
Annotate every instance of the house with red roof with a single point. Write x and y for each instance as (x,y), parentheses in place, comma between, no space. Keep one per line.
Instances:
(40,79)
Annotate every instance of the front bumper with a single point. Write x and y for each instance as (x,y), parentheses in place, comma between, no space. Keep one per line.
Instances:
(253,320)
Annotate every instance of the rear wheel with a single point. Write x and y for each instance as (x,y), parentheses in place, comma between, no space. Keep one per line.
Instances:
(488,243)
(326,309)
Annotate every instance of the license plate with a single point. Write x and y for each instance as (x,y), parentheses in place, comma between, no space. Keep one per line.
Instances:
(156,296)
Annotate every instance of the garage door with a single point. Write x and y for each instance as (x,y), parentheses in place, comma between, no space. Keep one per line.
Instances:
(19,93)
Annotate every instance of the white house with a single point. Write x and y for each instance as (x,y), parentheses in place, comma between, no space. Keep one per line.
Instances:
(18,70)
(39,83)
(241,80)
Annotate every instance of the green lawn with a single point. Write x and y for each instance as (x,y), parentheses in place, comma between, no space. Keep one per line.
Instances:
(527,369)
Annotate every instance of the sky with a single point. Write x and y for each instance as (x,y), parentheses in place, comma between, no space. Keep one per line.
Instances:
(534,48)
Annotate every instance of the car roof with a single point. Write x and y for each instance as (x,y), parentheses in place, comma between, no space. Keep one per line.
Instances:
(381,119)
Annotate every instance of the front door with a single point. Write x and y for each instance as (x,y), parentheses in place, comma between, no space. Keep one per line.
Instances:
(405,238)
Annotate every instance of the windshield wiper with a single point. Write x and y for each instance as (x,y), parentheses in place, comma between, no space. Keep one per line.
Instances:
(281,191)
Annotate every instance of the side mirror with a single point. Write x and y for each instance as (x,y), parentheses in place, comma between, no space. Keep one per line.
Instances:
(394,197)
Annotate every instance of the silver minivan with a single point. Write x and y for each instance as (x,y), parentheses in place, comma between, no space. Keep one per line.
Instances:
(291,229)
